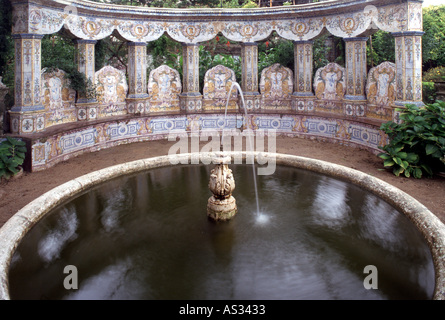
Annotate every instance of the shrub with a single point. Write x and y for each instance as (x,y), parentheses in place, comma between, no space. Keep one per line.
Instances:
(434,74)
(12,155)
(417,144)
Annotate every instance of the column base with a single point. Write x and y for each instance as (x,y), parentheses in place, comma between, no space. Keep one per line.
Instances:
(303,103)
(86,110)
(190,102)
(27,122)
(138,105)
(252,101)
(355,108)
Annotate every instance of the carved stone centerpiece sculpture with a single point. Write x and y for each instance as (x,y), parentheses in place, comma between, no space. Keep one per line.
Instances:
(221,205)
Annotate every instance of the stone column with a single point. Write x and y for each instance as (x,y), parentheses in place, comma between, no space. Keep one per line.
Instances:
(249,76)
(408,68)
(356,75)
(191,98)
(86,104)
(27,114)
(303,97)
(137,99)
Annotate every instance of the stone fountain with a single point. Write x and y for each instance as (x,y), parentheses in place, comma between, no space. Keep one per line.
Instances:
(221,206)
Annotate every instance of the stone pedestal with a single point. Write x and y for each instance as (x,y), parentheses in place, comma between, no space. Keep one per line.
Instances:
(221,205)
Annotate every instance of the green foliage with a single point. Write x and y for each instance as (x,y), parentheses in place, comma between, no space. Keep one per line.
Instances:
(12,155)
(277,51)
(58,52)
(165,50)
(319,52)
(434,74)
(381,48)
(249,4)
(207,61)
(417,144)
(6,44)
(434,38)
(428,92)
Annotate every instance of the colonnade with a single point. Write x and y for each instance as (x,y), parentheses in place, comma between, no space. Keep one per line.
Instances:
(27,113)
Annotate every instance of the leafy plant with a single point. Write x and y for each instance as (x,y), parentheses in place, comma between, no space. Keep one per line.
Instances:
(12,155)
(417,144)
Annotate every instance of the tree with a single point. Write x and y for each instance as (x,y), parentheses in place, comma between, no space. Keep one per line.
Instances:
(6,43)
(381,48)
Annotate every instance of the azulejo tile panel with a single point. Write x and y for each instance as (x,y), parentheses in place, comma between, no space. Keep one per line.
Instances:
(217,85)
(276,87)
(57,98)
(164,88)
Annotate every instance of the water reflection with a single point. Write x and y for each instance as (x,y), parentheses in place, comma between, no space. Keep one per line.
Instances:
(148,237)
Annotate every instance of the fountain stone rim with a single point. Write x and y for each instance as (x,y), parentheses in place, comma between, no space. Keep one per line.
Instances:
(433,230)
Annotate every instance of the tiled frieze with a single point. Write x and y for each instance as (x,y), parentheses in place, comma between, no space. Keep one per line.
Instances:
(97,21)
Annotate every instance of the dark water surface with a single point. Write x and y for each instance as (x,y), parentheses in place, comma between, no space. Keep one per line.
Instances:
(148,237)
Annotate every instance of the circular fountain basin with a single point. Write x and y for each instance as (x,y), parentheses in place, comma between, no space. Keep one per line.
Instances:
(140,231)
